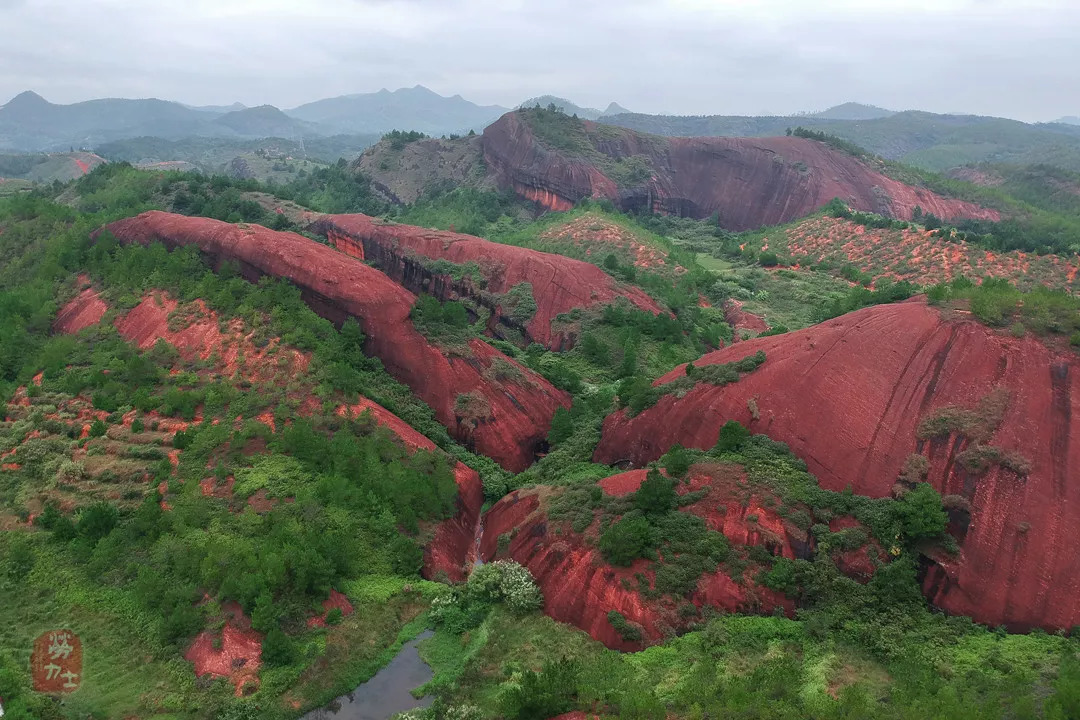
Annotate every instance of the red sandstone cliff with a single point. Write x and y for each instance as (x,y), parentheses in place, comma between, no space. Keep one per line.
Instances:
(580,588)
(508,419)
(559,284)
(849,395)
(750,182)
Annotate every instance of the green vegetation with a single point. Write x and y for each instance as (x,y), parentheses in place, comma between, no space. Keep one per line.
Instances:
(998,303)
(127,549)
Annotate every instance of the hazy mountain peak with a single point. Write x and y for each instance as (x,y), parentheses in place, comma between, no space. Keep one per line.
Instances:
(27,98)
(853,111)
(614,109)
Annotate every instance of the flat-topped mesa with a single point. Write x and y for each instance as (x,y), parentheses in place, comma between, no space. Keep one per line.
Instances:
(504,415)
(558,284)
(897,390)
(746,182)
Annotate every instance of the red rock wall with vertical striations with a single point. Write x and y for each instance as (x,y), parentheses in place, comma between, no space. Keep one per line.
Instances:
(848,396)
(749,182)
(559,284)
(518,413)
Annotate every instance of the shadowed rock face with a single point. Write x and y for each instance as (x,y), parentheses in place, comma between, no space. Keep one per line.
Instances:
(849,396)
(509,419)
(749,182)
(580,587)
(559,284)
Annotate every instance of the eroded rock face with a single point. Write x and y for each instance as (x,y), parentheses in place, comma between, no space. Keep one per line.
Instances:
(507,420)
(581,588)
(559,284)
(82,311)
(749,182)
(849,396)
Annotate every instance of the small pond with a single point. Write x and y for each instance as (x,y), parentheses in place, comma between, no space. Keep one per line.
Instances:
(386,694)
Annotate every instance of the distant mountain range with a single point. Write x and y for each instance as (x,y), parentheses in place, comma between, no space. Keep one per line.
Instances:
(1069,120)
(29,123)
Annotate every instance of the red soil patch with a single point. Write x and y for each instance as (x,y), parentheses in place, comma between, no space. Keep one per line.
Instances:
(260,503)
(238,659)
(864,383)
(210,487)
(559,284)
(84,310)
(599,235)
(516,414)
(739,319)
(10,466)
(919,256)
(336,600)
(200,336)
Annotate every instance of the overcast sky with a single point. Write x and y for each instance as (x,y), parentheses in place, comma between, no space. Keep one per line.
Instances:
(1018,58)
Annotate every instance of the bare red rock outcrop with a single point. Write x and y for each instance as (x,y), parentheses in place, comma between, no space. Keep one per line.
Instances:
(559,284)
(506,420)
(580,588)
(82,311)
(848,397)
(749,182)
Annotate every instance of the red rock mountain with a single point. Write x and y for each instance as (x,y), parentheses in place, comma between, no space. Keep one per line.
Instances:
(580,588)
(504,419)
(749,182)
(849,397)
(559,284)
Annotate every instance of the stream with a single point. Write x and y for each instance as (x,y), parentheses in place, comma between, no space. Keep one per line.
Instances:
(387,693)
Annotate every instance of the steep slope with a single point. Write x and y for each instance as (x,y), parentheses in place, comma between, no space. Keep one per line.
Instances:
(555,161)
(581,588)
(857,396)
(507,420)
(556,283)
